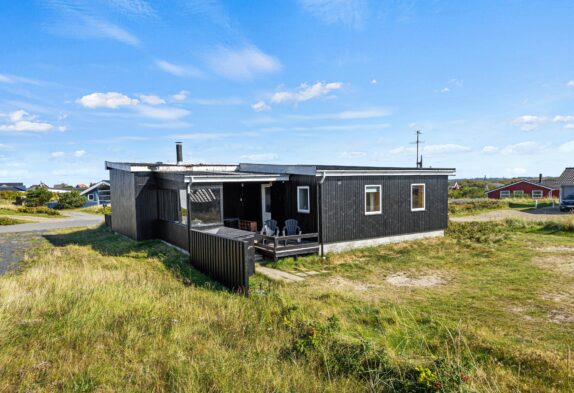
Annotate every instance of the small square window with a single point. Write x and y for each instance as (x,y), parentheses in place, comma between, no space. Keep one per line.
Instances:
(505,194)
(303,202)
(91,197)
(373,200)
(418,197)
(537,194)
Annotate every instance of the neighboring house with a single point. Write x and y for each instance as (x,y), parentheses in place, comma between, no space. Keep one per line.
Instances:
(336,208)
(566,181)
(524,189)
(12,187)
(97,194)
(455,186)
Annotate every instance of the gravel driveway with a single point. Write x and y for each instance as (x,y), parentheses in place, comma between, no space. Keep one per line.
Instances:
(495,215)
(72,220)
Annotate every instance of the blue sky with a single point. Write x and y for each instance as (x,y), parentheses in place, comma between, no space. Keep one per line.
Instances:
(489,83)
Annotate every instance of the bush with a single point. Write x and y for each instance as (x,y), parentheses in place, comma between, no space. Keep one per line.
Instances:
(475,205)
(71,200)
(10,195)
(9,221)
(38,197)
(39,210)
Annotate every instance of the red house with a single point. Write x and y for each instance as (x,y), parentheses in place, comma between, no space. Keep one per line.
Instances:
(524,189)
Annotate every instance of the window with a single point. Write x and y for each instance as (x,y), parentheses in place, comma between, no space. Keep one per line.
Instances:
(505,194)
(303,205)
(372,200)
(91,197)
(537,194)
(417,197)
(205,205)
(518,193)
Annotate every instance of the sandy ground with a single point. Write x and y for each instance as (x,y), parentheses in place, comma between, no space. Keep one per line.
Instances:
(534,215)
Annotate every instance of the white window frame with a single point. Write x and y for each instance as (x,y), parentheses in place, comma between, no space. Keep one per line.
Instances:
(308,199)
(538,192)
(506,194)
(518,193)
(419,209)
(90,197)
(380,211)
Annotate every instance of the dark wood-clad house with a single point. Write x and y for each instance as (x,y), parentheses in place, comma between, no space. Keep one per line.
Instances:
(217,212)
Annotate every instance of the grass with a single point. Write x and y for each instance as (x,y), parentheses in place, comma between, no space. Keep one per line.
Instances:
(92,311)
(10,221)
(94,210)
(42,211)
(467,207)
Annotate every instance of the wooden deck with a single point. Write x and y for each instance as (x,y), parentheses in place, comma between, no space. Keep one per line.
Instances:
(283,246)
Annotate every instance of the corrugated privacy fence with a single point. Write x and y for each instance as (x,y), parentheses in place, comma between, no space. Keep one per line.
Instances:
(223,259)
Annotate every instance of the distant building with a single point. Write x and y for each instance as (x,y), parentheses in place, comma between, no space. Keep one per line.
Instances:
(455,186)
(566,181)
(97,194)
(12,187)
(524,189)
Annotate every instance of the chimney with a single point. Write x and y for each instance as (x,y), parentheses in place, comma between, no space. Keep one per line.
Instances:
(179,152)
(540,178)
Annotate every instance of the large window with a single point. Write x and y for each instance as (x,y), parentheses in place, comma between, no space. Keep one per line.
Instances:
(505,194)
(537,194)
(418,197)
(303,202)
(372,200)
(205,205)
(518,193)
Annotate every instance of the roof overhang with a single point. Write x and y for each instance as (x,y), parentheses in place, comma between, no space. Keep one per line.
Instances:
(387,172)
(235,178)
(87,190)
(160,167)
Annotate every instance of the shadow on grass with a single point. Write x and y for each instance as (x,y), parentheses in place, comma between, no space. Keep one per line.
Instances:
(107,243)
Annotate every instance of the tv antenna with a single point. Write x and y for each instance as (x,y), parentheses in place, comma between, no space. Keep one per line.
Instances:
(419,161)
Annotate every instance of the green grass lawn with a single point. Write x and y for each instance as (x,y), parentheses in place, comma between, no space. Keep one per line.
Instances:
(92,311)
(470,207)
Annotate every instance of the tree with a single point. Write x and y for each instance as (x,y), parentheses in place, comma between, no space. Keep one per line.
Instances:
(70,200)
(38,197)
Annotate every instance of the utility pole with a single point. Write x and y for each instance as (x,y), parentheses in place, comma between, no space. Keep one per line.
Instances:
(419,163)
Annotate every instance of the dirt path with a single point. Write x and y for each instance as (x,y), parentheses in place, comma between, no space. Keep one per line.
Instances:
(72,220)
(495,215)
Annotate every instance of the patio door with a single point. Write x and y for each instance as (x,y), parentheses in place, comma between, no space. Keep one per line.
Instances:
(265,202)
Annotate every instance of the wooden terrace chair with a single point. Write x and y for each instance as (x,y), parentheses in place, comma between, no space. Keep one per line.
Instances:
(292,228)
(270,228)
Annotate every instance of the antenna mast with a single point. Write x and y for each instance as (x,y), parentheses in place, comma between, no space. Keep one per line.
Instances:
(419,163)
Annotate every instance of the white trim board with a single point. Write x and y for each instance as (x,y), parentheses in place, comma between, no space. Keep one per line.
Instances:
(344,246)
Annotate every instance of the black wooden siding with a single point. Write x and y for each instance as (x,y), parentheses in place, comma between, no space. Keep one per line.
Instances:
(173,233)
(284,202)
(343,207)
(146,206)
(168,205)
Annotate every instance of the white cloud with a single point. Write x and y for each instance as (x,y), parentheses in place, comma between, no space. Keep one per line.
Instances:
(260,106)
(152,99)
(62,128)
(567,147)
(260,157)
(529,122)
(110,100)
(12,79)
(350,13)
(374,82)
(305,92)
(444,90)
(353,154)
(528,147)
(181,96)
(433,150)
(21,121)
(162,113)
(570,83)
(79,153)
(490,149)
(57,154)
(569,126)
(105,29)
(243,63)
(561,118)
(178,70)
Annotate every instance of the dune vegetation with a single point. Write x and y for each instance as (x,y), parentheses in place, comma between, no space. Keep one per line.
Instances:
(493,312)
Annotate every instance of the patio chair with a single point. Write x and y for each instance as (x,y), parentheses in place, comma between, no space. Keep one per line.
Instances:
(270,228)
(292,228)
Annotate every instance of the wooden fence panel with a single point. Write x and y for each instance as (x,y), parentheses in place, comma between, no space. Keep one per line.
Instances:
(223,259)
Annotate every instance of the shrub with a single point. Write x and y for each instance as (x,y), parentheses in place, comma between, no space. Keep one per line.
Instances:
(38,197)
(10,195)
(477,232)
(9,221)
(71,200)
(475,205)
(39,210)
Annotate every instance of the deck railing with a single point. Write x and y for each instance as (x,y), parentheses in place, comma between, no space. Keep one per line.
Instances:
(283,246)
